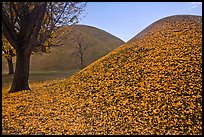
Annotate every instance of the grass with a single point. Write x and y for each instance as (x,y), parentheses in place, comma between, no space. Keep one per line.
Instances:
(64,57)
(38,76)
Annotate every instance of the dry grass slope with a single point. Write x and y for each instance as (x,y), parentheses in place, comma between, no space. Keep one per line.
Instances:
(64,58)
(151,85)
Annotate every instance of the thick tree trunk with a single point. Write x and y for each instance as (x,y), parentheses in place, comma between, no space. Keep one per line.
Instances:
(21,75)
(10,65)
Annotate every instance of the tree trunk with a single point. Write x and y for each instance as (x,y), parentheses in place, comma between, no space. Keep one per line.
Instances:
(82,61)
(21,75)
(10,65)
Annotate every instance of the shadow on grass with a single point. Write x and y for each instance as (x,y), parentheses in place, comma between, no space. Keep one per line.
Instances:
(40,76)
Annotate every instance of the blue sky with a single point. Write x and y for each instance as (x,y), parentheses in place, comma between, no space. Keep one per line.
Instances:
(126,19)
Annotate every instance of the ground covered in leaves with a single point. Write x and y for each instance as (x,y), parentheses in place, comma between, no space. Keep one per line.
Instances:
(151,85)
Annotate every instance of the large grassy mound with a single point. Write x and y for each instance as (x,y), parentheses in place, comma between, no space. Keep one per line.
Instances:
(64,58)
(151,85)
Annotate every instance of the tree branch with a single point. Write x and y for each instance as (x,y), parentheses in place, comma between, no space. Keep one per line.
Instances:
(8,30)
(39,20)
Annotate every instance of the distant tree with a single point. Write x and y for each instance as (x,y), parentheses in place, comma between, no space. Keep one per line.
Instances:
(80,45)
(28,26)
(8,52)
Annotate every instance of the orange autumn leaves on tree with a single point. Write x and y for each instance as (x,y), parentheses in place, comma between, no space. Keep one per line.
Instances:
(8,52)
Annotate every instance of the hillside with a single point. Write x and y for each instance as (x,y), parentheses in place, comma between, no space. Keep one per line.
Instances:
(64,57)
(150,85)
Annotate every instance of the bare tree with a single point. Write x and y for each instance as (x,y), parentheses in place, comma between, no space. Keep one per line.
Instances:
(80,45)
(28,26)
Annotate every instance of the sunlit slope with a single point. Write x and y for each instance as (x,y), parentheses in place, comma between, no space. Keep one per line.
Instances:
(151,85)
(64,57)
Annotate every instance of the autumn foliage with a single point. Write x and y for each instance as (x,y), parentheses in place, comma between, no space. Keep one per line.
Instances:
(151,85)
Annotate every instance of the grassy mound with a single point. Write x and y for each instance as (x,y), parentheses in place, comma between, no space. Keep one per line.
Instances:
(64,57)
(151,85)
